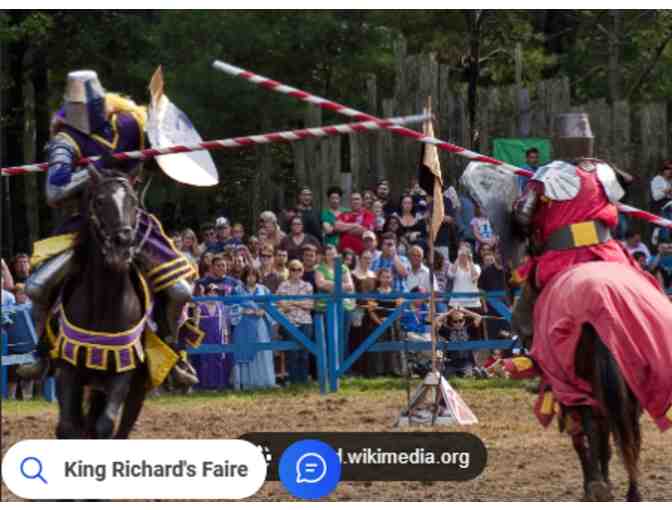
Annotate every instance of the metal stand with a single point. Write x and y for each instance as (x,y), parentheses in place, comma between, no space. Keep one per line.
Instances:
(447,408)
(444,396)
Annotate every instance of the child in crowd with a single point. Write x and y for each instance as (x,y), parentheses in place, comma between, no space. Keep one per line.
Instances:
(453,327)
(388,363)
(20,294)
(415,323)
(482,229)
(380,216)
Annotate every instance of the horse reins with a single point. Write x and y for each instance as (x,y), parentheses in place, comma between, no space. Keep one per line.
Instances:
(95,220)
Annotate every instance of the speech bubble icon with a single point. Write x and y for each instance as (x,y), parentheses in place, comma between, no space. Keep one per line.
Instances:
(310,468)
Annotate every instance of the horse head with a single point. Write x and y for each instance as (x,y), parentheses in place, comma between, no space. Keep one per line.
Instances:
(112,214)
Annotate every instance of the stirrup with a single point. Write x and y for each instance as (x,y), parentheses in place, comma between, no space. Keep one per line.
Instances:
(184,374)
(35,371)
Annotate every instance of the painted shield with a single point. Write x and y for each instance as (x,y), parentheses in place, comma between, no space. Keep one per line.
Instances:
(495,190)
(168,125)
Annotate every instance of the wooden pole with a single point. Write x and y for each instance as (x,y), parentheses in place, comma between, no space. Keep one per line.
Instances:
(432,300)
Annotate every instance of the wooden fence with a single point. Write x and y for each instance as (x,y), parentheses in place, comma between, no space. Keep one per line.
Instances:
(635,137)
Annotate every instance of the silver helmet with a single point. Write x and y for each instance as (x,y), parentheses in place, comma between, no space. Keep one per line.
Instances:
(572,136)
(84,102)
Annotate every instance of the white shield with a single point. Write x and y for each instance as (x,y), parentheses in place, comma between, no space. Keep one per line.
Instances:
(168,125)
(495,189)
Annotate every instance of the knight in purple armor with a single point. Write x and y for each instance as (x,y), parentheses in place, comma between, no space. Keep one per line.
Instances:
(93,123)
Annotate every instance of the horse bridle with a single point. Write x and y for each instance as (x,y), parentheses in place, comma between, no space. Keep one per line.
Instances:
(102,234)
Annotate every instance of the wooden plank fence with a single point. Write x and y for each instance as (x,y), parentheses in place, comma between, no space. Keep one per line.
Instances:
(636,137)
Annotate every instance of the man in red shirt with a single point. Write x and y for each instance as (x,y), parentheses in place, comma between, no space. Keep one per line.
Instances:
(352,225)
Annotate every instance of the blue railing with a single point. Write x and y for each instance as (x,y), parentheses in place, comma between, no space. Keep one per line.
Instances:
(17,346)
(328,344)
(330,335)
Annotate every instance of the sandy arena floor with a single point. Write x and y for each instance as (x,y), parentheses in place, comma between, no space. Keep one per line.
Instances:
(525,462)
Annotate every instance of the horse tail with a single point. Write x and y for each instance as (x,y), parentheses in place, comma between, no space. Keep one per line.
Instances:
(621,407)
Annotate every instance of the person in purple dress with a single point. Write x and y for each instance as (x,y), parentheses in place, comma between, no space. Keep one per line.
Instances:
(214,370)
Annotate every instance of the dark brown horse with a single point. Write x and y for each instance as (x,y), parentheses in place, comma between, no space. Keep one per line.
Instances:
(105,295)
(618,416)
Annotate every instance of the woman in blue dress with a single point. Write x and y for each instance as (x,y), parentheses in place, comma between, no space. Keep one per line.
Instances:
(252,370)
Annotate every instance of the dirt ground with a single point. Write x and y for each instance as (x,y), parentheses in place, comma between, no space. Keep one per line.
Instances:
(525,462)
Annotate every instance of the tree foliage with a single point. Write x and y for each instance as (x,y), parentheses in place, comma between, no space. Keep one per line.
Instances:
(327,52)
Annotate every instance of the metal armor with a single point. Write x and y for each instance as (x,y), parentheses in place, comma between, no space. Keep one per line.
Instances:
(572,136)
(64,184)
(85,102)
(523,210)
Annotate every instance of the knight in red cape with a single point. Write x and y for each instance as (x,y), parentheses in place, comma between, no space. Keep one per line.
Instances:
(579,275)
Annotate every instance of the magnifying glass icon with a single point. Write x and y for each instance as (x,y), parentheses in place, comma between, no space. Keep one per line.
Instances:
(31,468)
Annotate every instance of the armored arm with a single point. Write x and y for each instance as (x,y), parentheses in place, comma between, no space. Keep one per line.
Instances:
(63,182)
(523,210)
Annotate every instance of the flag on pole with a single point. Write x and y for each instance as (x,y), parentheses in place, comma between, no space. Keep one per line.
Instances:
(430,178)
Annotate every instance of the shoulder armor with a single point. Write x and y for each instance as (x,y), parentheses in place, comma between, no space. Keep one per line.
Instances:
(606,175)
(609,181)
(560,180)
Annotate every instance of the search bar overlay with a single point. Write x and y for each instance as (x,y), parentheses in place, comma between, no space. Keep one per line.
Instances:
(134,469)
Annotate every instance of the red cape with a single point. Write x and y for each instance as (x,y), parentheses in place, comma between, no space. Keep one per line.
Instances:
(632,317)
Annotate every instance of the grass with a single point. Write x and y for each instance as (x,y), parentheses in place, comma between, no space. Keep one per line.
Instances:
(349,386)
(14,407)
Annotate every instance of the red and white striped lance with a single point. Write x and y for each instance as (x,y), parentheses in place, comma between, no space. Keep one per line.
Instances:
(644,215)
(242,141)
(326,104)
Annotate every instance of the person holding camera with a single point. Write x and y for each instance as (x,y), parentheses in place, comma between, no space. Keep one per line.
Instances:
(465,273)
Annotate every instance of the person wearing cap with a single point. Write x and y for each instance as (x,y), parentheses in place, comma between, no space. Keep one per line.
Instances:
(224,234)
(93,123)
(223,237)
(371,243)
(209,238)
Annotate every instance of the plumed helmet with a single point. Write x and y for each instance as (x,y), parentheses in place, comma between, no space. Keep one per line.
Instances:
(572,136)
(84,101)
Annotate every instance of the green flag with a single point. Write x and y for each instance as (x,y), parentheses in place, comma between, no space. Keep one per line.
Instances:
(512,150)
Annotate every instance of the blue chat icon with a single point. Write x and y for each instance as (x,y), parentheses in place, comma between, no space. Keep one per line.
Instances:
(31,468)
(310,469)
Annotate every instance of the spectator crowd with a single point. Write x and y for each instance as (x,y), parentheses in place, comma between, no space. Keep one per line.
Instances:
(382,243)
